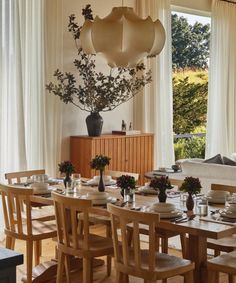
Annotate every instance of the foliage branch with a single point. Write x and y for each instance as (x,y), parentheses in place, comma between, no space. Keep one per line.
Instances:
(96,91)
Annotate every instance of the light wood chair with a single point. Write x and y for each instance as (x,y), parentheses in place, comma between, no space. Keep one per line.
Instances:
(73,241)
(22,176)
(137,261)
(116,174)
(226,244)
(19,227)
(39,212)
(225,263)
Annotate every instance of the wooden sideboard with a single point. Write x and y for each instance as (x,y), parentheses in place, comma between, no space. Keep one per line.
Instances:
(132,153)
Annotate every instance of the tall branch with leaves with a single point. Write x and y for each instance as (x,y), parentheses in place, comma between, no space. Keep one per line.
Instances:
(97,91)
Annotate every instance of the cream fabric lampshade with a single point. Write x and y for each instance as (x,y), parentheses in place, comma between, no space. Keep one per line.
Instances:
(122,37)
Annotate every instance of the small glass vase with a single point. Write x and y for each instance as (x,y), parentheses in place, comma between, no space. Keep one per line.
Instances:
(101,185)
(190,202)
(129,195)
(67,180)
(162,196)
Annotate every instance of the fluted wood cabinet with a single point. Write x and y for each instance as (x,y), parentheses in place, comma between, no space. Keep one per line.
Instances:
(128,153)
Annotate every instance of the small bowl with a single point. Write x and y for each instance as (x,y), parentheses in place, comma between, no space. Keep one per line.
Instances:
(97,195)
(163,207)
(162,169)
(106,178)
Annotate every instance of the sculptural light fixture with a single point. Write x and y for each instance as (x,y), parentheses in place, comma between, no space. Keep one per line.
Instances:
(122,37)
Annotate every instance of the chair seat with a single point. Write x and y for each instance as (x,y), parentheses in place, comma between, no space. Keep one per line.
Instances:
(165,264)
(225,244)
(46,213)
(40,230)
(224,263)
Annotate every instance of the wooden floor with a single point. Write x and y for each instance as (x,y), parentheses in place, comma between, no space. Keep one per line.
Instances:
(99,272)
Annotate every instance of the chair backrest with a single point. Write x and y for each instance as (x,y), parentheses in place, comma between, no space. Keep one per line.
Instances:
(68,213)
(221,187)
(22,175)
(116,174)
(130,258)
(12,199)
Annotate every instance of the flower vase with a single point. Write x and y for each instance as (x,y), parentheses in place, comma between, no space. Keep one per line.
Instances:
(67,180)
(162,196)
(101,186)
(190,202)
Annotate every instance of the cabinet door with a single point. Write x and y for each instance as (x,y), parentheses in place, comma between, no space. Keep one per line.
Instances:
(80,155)
(139,155)
(114,148)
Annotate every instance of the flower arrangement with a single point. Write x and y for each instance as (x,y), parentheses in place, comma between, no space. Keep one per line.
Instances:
(100,162)
(162,183)
(96,91)
(126,182)
(191,185)
(66,167)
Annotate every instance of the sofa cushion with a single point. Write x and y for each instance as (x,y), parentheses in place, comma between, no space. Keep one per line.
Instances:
(215,159)
(228,161)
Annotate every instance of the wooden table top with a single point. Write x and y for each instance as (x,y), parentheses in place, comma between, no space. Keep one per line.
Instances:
(195,227)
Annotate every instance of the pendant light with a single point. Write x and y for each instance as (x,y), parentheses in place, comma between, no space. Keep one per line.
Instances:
(122,37)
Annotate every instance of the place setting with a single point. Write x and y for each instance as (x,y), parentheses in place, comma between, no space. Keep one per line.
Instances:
(166,210)
(108,181)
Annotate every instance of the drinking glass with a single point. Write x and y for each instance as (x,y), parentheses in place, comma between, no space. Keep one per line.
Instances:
(76,181)
(202,206)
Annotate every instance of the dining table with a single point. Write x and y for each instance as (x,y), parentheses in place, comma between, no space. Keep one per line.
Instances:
(197,228)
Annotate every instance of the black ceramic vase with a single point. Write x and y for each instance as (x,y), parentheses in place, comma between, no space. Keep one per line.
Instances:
(162,196)
(67,180)
(94,124)
(190,202)
(101,186)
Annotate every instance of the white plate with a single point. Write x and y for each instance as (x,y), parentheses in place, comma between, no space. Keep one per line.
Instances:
(101,201)
(45,192)
(95,183)
(168,215)
(228,214)
(147,190)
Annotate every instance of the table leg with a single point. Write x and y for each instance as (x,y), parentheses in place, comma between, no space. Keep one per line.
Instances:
(198,254)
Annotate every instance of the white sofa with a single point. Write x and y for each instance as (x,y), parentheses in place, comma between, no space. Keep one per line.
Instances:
(208,173)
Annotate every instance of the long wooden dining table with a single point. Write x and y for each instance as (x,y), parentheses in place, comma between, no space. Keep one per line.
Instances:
(198,229)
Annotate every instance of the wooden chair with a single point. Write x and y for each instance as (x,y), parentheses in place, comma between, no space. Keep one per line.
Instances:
(225,263)
(39,212)
(75,242)
(136,261)
(226,244)
(116,174)
(21,176)
(19,227)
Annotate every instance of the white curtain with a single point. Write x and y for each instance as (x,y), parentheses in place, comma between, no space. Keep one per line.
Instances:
(30,119)
(221,131)
(153,110)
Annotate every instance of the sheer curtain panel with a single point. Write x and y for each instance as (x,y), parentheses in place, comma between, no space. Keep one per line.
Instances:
(153,109)
(30,120)
(221,120)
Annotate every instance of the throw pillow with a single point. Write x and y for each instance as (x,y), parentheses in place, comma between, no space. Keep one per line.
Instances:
(215,159)
(228,161)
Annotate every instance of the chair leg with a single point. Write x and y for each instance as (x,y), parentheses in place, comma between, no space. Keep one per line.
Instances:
(60,266)
(188,277)
(13,240)
(67,268)
(8,242)
(29,259)
(37,252)
(108,234)
(87,270)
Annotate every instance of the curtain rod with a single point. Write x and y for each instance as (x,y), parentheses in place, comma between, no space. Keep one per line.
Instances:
(233,2)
